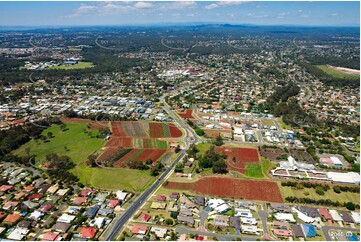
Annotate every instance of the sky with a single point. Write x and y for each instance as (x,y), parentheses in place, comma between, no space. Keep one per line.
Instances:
(315,13)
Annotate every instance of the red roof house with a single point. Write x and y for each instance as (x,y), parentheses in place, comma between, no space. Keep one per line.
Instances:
(45,207)
(88,232)
(139,229)
(86,192)
(28,188)
(144,217)
(50,236)
(324,212)
(36,196)
(12,218)
(5,188)
(283,232)
(161,198)
(79,200)
(112,203)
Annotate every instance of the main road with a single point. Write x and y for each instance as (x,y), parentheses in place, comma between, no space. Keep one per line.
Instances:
(132,209)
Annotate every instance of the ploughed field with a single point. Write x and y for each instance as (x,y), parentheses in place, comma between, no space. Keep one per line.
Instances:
(137,141)
(232,188)
(242,156)
(187,114)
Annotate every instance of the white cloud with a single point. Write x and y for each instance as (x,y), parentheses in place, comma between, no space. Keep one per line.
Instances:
(282,15)
(143,5)
(211,6)
(224,3)
(179,5)
(304,16)
(82,10)
(334,14)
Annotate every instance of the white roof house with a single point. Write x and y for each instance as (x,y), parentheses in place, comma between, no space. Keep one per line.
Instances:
(215,202)
(356,217)
(250,221)
(249,229)
(344,177)
(121,195)
(97,222)
(238,131)
(335,215)
(65,218)
(336,160)
(302,216)
(159,232)
(239,212)
(285,217)
(18,234)
(36,215)
(222,208)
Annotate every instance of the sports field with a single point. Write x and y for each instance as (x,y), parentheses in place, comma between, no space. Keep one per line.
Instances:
(79,65)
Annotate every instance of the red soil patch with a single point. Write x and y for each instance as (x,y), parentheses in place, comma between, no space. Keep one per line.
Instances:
(93,125)
(215,133)
(232,188)
(187,114)
(118,130)
(107,154)
(174,131)
(144,154)
(156,130)
(120,142)
(243,156)
(152,154)
(146,143)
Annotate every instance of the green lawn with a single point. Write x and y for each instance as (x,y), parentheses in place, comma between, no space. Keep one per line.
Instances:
(162,144)
(254,170)
(80,145)
(127,179)
(268,122)
(80,65)
(282,124)
(330,194)
(334,73)
(203,147)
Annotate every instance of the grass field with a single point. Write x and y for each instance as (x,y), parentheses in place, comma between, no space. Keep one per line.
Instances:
(80,65)
(162,144)
(334,73)
(268,122)
(330,194)
(254,170)
(127,179)
(80,145)
(282,124)
(203,147)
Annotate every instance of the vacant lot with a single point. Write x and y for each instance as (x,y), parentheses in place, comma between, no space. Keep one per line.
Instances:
(332,71)
(124,179)
(80,65)
(330,194)
(232,188)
